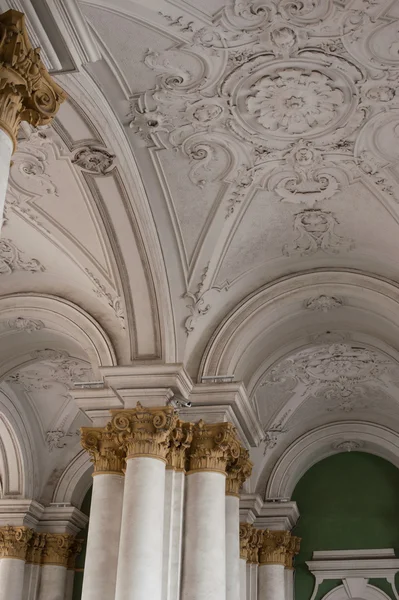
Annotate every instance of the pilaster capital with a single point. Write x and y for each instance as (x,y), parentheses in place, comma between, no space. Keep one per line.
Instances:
(35,548)
(56,548)
(14,541)
(74,549)
(180,440)
(238,471)
(145,431)
(104,447)
(293,548)
(274,547)
(213,447)
(27,92)
(254,545)
(245,536)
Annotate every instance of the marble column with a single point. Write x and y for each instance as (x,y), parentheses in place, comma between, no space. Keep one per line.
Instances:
(237,472)
(272,558)
(204,566)
(181,438)
(101,563)
(245,534)
(32,566)
(27,94)
(75,549)
(13,548)
(292,550)
(146,434)
(54,565)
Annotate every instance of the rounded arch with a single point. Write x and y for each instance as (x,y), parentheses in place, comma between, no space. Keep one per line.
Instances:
(325,441)
(274,320)
(370,592)
(75,481)
(62,318)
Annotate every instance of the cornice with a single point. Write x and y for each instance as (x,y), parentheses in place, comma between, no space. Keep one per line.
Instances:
(147,376)
(268,515)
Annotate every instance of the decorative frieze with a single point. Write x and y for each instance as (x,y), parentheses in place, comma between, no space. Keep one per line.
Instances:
(245,535)
(237,472)
(213,447)
(28,93)
(180,440)
(293,548)
(14,541)
(274,547)
(104,447)
(145,431)
(57,548)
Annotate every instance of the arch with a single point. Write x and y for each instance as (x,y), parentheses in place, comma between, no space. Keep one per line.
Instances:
(64,319)
(322,442)
(370,592)
(274,321)
(75,481)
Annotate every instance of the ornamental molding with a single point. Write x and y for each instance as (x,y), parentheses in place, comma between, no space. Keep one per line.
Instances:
(337,368)
(348,446)
(277,98)
(238,471)
(323,303)
(25,324)
(114,302)
(104,448)
(245,535)
(316,230)
(57,547)
(214,447)
(94,160)
(199,305)
(13,259)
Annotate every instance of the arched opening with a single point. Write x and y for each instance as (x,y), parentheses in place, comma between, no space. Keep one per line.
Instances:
(348,501)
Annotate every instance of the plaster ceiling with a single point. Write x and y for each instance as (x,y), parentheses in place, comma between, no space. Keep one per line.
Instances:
(221,189)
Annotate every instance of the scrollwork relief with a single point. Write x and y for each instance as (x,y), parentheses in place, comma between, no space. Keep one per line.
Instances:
(94,160)
(113,302)
(323,303)
(199,306)
(13,259)
(25,324)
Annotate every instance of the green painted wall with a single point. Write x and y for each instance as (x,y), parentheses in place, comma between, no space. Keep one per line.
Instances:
(80,560)
(348,501)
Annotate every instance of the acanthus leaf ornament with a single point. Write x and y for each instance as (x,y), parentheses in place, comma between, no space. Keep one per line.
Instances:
(275,545)
(14,541)
(28,91)
(238,471)
(323,303)
(199,306)
(180,440)
(104,448)
(13,259)
(94,160)
(214,446)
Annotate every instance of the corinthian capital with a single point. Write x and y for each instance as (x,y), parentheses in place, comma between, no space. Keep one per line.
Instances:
(293,548)
(180,440)
(213,447)
(35,548)
(27,92)
(56,548)
(14,541)
(104,447)
(238,471)
(145,431)
(75,548)
(274,547)
(245,535)
(254,545)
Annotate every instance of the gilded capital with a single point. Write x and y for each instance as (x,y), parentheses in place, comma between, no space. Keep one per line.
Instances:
(35,548)
(104,448)
(213,447)
(254,545)
(293,548)
(238,471)
(74,549)
(14,541)
(180,440)
(27,92)
(274,547)
(145,431)
(245,536)
(56,548)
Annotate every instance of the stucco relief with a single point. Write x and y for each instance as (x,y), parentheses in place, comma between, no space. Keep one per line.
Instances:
(13,259)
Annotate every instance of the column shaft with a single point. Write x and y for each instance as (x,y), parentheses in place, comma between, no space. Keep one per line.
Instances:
(101,561)
(243,579)
(70,579)
(205,537)
(289,583)
(139,575)
(12,579)
(31,581)
(173,534)
(232,547)
(271,582)
(52,582)
(252,581)
(6,149)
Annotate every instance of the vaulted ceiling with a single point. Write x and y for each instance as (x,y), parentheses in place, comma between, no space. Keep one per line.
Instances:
(221,190)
